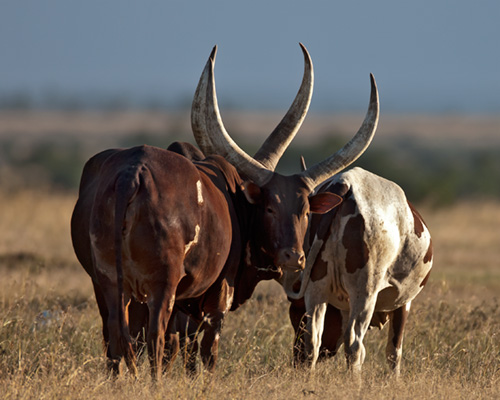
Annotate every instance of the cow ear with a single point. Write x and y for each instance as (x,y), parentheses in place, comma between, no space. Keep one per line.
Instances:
(321,203)
(252,192)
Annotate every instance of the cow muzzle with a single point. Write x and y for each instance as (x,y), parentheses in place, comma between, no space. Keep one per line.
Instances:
(290,258)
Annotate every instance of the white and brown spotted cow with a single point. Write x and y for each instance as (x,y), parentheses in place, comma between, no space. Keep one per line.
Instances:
(371,254)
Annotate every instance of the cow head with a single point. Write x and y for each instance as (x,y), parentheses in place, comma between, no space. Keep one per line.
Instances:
(283,203)
(283,207)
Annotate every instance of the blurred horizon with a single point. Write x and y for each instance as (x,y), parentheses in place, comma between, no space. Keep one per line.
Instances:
(138,63)
(428,57)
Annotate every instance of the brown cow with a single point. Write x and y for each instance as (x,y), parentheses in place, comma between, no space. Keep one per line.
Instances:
(154,226)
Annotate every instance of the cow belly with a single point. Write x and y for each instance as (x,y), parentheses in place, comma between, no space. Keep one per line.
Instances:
(407,280)
(399,293)
(388,299)
(201,276)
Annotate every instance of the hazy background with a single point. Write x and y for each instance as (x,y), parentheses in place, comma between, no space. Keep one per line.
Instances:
(427,56)
(77,77)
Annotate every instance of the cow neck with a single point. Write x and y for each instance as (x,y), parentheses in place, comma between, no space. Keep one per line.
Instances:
(253,253)
(254,263)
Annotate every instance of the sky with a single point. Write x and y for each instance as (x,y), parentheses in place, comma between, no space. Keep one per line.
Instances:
(428,56)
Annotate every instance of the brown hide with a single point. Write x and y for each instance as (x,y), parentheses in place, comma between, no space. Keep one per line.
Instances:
(150,230)
(161,219)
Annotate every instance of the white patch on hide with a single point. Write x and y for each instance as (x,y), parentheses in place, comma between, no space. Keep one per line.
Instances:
(188,246)
(171,304)
(200,194)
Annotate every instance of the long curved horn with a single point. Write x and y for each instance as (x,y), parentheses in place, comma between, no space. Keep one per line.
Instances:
(198,110)
(318,173)
(275,145)
(210,133)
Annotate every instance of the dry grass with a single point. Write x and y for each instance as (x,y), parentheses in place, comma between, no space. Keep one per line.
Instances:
(50,341)
(36,223)
(467,237)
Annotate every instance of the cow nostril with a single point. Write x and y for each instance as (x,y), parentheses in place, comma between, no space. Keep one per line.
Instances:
(292,258)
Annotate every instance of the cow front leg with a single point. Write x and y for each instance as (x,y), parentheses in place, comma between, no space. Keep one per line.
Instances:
(188,335)
(332,333)
(172,344)
(297,314)
(394,348)
(190,347)
(219,298)
(360,316)
(314,331)
(137,325)
(209,346)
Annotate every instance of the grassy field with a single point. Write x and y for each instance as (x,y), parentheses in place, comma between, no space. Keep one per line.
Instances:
(51,347)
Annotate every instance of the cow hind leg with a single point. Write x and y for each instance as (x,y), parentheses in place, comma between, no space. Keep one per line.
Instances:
(103,311)
(120,342)
(394,348)
(160,309)
(113,352)
(128,348)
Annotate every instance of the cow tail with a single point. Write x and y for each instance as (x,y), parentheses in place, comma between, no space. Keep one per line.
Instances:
(125,188)
(305,274)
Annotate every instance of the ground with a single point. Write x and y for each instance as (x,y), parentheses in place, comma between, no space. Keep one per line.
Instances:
(51,346)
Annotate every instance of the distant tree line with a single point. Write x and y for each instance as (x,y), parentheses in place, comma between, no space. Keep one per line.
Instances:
(427,174)
(56,100)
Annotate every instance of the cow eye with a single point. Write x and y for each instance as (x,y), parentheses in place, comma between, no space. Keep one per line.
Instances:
(269,210)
